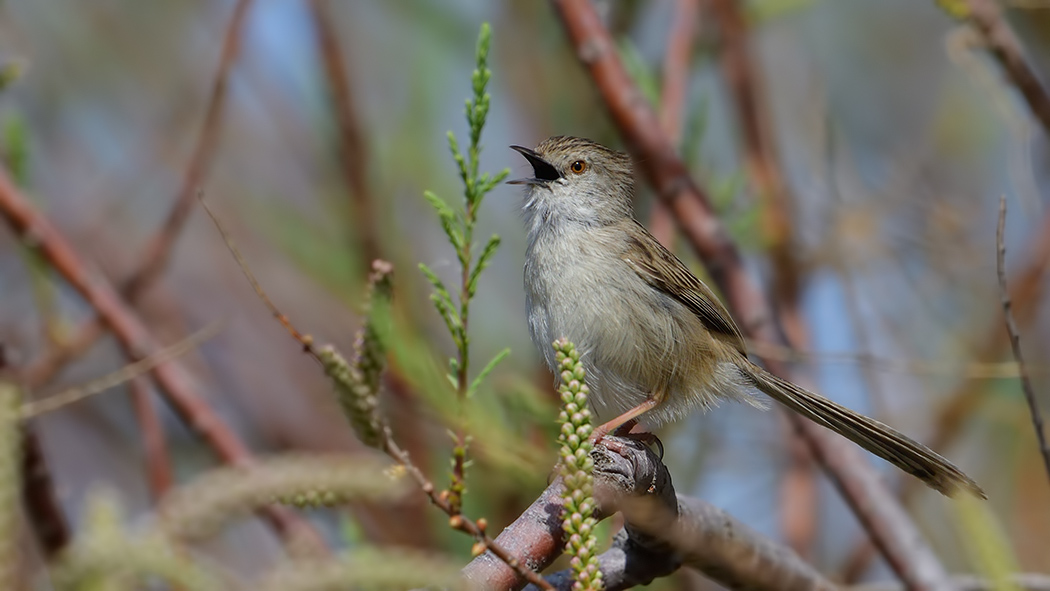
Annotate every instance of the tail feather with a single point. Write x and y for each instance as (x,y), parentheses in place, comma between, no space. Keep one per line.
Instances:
(881,440)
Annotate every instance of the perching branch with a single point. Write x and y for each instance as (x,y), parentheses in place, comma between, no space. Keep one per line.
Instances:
(663,533)
(1015,337)
(893,530)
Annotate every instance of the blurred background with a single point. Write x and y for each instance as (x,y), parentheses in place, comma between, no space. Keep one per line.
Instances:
(893,134)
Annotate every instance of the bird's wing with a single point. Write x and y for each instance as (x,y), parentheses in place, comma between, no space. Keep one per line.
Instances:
(664,272)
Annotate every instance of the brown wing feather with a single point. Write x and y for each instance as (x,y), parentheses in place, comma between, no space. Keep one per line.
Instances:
(665,272)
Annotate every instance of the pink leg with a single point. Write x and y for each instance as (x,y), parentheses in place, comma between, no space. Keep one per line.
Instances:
(627,419)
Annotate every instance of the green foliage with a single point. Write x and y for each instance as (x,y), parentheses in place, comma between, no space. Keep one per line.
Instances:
(318,251)
(764,11)
(16,149)
(644,76)
(105,558)
(10,73)
(986,543)
(357,384)
(957,9)
(366,569)
(577,469)
(10,481)
(196,510)
(458,225)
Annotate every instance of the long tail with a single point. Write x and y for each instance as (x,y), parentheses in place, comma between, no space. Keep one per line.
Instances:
(884,441)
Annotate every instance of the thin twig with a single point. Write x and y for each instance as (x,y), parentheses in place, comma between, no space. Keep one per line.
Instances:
(1003,45)
(457,520)
(1026,294)
(1015,337)
(967,370)
(131,371)
(157,251)
(136,342)
(885,520)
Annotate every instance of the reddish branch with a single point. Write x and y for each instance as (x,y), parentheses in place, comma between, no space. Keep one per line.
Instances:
(895,534)
(742,76)
(158,250)
(352,150)
(153,262)
(134,339)
(673,98)
(158,462)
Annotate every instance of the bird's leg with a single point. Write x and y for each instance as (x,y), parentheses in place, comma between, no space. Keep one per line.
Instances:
(625,422)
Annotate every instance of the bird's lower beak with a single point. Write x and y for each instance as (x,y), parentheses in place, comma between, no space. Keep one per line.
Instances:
(542,170)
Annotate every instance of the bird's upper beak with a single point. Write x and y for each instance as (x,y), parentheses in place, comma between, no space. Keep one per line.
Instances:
(542,170)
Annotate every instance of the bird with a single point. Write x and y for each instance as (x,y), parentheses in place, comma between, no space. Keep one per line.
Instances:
(654,340)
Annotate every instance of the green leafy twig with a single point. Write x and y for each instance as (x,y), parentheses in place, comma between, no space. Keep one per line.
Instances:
(459,228)
(340,372)
(577,469)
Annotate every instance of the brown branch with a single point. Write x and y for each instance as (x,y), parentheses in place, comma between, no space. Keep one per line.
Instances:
(135,341)
(1026,293)
(352,150)
(664,532)
(1021,581)
(38,494)
(157,251)
(157,459)
(1003,45)
(742,76)
(882,516)
(1015,337)
(673,99)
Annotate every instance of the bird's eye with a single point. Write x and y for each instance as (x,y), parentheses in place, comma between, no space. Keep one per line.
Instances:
(578,167)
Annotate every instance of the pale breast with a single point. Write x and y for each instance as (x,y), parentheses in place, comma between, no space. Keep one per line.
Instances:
(634,340)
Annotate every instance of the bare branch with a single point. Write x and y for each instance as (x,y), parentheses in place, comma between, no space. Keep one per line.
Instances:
(1003,45)
(663,532)
(136,342)
(158,250)
(1015,337)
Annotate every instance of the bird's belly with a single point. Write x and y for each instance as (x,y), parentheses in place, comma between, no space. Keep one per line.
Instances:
(635,342)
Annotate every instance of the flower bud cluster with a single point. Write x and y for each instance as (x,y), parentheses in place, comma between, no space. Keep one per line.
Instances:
(357,384)
(577,468)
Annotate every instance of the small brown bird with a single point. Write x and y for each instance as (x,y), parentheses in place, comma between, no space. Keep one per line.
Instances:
(654,340)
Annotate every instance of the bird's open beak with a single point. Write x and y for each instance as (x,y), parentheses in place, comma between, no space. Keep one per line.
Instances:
(542,170)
